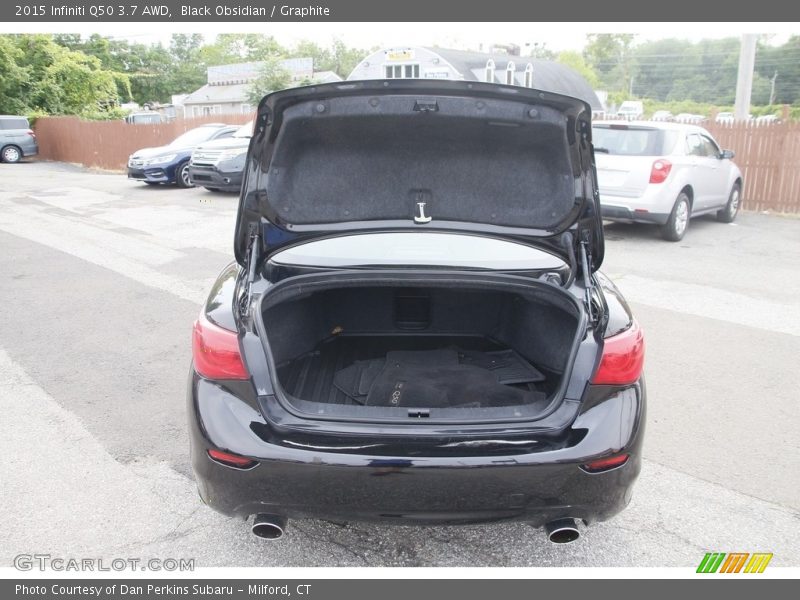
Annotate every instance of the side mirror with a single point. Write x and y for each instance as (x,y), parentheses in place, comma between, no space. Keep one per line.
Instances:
(727,154)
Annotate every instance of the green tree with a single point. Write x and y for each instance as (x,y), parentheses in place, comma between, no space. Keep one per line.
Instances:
(339,58)
(576,62)
(272,77)
(609,54)
(14,79)
(63,81)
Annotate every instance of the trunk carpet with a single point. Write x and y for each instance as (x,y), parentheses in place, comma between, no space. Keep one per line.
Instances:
(413,371)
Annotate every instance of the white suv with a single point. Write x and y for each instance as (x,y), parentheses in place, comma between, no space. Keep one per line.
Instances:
(664,173)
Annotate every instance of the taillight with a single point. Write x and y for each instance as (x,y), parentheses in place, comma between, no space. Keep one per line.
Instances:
(216,351)
(30,133)
(660,170)
(623,358)
(605,464)
(231,460)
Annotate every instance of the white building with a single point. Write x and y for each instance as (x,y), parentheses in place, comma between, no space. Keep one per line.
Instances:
(227,87)
(416,62)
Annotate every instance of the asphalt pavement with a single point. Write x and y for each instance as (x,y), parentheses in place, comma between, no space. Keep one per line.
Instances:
(101,278)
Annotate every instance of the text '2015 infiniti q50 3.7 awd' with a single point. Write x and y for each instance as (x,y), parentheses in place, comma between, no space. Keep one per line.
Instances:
(415,329)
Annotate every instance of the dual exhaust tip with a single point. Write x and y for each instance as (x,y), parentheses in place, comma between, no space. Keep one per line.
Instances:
(271,527)
(562,531)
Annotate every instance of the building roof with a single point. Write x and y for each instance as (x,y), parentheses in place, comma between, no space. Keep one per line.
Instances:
(548,75)
(217,94)
(248,71)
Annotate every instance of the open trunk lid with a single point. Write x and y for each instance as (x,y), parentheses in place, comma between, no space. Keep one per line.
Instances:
(410,155)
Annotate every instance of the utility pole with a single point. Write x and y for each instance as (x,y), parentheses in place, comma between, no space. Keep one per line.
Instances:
(772,89)
(744,78)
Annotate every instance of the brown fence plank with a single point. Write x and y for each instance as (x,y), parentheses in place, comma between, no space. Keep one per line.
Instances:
(769,157)
(108,144)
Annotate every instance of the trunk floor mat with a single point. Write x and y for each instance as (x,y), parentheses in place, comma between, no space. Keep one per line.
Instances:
(345,370)
(439,378)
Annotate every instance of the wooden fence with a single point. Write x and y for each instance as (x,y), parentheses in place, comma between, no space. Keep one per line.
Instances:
(769,158)
(107,144)
(768,155)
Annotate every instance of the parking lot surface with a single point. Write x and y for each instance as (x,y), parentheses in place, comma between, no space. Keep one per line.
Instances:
(101,278)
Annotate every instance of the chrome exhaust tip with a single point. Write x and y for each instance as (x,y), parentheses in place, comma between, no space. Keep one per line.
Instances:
(268,527)
(562,531)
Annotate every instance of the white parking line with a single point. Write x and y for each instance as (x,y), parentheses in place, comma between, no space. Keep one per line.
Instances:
(712,303)
(124,254)
(63,492)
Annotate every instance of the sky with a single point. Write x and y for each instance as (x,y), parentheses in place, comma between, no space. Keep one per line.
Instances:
(555,36)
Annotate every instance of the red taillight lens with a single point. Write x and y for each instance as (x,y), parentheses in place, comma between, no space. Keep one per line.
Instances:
(605,464)
(216,351)
(660,170)
(231,460)
(30,133)
(623,358)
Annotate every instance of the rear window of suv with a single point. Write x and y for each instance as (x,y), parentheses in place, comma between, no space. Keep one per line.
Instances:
(633,141)
(15,123)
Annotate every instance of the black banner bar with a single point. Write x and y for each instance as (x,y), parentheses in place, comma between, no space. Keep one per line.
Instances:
(394,589)
(230,11)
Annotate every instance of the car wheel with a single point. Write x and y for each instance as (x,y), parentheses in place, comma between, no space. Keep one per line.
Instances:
(182,176)
(212,189)
(11,154)
(678,221)
(728,214)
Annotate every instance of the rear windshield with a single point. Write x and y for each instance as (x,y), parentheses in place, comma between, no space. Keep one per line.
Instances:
(417,249)
(194,136)
(20,123)
(633,141)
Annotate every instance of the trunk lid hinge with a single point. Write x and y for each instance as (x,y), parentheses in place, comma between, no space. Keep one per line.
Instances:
(250,264)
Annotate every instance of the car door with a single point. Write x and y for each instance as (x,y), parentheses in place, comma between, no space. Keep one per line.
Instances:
(5,133)
(718,194)
(705,171)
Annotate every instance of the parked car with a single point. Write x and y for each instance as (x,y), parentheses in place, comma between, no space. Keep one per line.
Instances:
(631,109)
(690,118)
(662,115)
(664,173)
(17,139)
(144,118)
(724,117)
(767,120)
(170,163)
(415,329)
(219,165)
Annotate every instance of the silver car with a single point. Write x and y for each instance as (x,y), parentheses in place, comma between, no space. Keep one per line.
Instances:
(664,173)
(16,139)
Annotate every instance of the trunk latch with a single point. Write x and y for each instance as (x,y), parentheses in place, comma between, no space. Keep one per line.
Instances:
(419,413)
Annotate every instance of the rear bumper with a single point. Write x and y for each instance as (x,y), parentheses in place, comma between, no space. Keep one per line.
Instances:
(354,482)
(214,178)
(628,214)
(652,205)
(29,148)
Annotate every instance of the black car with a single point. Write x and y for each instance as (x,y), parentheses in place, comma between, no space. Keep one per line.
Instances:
(219,165)
(415,329)
(170,163)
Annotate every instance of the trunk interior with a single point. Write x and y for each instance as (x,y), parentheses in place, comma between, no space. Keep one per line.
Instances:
(452,349)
